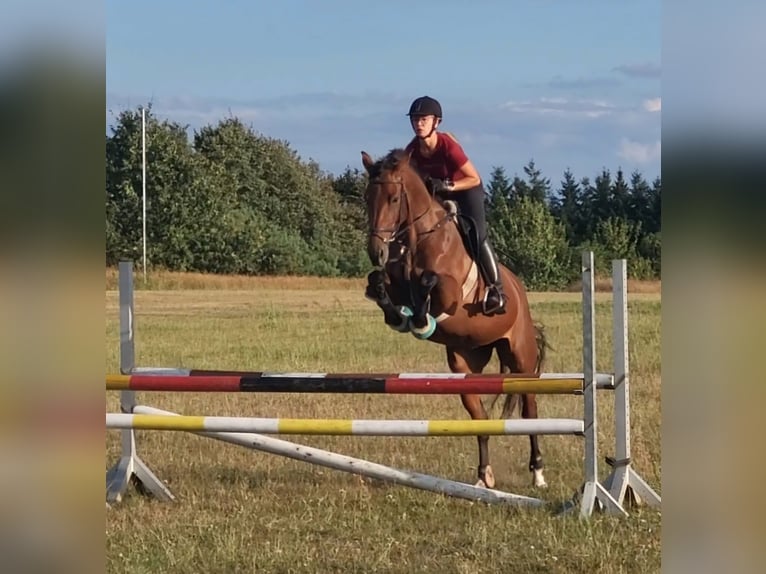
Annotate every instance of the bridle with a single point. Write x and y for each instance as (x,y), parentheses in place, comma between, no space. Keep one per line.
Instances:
(405,224)
(402,223)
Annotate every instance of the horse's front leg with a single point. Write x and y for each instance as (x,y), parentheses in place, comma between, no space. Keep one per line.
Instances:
(422,323)
(395,317)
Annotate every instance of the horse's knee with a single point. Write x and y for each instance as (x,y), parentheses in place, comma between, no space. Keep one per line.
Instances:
(376,286)
(428,280)
(375,278)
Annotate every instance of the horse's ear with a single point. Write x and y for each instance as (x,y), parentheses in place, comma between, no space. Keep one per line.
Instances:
(367,161)
(403,158)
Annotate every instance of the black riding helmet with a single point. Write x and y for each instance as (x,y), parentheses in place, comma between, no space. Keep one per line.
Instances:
(425,106)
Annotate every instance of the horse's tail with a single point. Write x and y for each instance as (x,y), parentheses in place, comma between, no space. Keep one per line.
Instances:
(542,346)
(509,405)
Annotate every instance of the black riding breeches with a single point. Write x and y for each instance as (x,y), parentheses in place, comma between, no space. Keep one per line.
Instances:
(470,202)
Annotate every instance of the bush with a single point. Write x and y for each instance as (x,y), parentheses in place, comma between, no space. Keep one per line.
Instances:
(534,245)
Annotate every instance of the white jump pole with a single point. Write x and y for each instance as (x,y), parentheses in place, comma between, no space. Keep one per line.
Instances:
(143,184)
(361,467)
(342,427)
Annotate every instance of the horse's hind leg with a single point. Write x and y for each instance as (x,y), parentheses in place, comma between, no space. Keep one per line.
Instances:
(525,362)
(474,361)
(529,411)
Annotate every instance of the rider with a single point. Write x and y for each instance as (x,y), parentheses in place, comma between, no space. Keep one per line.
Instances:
(443,164)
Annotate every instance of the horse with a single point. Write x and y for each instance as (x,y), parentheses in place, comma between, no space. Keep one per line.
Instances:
(425,281)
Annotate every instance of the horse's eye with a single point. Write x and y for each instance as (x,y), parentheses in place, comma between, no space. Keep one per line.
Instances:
(395,199)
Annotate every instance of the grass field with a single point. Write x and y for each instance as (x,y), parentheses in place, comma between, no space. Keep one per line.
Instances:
(243,511)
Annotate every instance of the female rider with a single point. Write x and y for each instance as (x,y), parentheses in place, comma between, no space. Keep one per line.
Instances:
(444,166)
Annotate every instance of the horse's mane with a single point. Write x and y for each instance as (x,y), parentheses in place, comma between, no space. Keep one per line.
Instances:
(388,162)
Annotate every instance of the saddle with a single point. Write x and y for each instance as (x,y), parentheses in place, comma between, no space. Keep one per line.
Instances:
(469,235)
(465,226)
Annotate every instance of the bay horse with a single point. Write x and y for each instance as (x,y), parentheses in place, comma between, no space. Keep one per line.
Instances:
(426,282)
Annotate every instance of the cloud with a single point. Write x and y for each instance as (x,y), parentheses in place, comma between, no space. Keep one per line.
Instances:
(653,105)
(561,107)
(561,83)
(557,132)
(642,70)
(638,152)
(196,112)
(308,107)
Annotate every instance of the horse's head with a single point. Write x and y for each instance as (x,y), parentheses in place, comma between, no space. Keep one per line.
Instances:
(394,191)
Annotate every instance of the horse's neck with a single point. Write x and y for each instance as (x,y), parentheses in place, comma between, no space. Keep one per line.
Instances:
(437,236)
(425,212)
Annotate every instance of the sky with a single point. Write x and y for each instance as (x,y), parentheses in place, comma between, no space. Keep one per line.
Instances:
(570,85)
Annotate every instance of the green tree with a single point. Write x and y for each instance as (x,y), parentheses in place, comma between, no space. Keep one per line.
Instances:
(654,218)
(124,189)
(171,192)
(304,212)
(498,197)
(640,199)
(600,200)
(350,187)
(236,201)
(538,187)
(533,244)
(620,197)
(650,250)
(519,189)
(566,208)
(617,237)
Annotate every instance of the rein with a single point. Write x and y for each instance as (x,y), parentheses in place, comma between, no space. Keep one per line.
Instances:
(403,225)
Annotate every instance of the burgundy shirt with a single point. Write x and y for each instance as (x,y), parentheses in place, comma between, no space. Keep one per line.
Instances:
(443,163)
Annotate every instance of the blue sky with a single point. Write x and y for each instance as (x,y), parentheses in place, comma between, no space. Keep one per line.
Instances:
(569,84)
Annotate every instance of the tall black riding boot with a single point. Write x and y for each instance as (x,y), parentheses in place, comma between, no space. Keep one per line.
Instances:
(495,299)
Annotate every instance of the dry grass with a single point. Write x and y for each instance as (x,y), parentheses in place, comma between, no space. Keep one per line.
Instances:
(240,511)
(173,280)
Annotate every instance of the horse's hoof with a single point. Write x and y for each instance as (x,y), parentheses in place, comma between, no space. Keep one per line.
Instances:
(489,479)
(538,480)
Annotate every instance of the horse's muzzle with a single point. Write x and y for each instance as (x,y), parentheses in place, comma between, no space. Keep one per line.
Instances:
(377,250)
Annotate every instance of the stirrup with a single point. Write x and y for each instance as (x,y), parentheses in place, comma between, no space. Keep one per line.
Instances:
(499,307)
